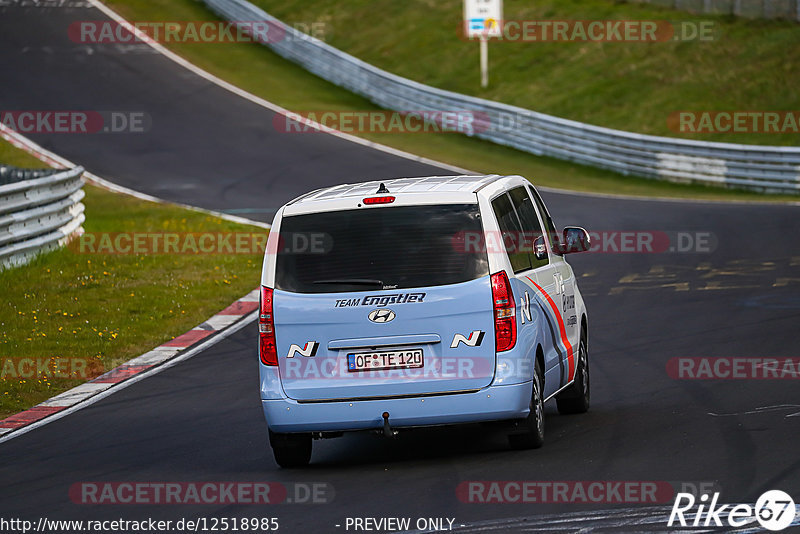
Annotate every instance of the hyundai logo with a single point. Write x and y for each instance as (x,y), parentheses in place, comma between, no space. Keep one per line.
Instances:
(383,315)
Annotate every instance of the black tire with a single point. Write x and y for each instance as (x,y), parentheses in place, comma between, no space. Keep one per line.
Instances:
(291,450)
(576,398)
(532,436)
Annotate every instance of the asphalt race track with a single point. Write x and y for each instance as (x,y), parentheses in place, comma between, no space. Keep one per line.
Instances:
(737,296)
(206,146)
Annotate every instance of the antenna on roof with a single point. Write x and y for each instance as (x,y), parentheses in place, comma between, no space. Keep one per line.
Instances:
(382,189)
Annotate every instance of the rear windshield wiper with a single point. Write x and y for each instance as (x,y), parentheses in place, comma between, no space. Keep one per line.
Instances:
(352,281)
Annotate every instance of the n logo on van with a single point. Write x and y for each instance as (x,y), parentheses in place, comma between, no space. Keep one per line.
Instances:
(474,339)
(309,350)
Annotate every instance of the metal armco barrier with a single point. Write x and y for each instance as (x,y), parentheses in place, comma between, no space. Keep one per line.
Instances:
(766,9)
(39,211)
(760,168)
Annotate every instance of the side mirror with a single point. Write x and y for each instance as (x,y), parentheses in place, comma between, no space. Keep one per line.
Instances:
(539,248)
(576,239)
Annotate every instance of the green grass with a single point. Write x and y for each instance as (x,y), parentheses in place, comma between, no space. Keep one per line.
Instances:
(10,155)
(254,68)
(109,308)
(747,65)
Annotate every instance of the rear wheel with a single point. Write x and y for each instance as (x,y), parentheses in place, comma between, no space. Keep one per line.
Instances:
(291,450)
(575,399)
(533,425)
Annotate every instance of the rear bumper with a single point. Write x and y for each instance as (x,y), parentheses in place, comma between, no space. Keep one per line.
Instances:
(490,404)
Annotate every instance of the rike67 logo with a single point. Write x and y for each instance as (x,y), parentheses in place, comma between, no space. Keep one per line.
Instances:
(774,510)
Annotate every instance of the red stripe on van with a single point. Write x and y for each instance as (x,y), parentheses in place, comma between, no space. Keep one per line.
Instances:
(561,329)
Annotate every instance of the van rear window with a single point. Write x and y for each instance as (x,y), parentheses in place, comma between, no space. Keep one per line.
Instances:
(379,248)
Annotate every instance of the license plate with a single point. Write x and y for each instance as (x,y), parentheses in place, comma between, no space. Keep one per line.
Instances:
(375,361)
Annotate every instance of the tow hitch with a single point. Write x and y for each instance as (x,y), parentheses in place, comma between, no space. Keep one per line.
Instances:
(387,429)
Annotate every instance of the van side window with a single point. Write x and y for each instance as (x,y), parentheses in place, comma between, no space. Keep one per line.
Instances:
(552,234)
(511,232)
(531,229)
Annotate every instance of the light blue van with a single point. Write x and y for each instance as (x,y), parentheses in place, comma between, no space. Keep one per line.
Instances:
(417,302)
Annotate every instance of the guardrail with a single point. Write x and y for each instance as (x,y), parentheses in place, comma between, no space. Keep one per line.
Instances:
(767,9)
(761,168)
(39,211)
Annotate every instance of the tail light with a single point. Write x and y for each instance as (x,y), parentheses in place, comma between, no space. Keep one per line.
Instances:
(505,320)
(266,329)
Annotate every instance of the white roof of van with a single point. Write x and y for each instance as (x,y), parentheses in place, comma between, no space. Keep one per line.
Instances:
(425,184)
